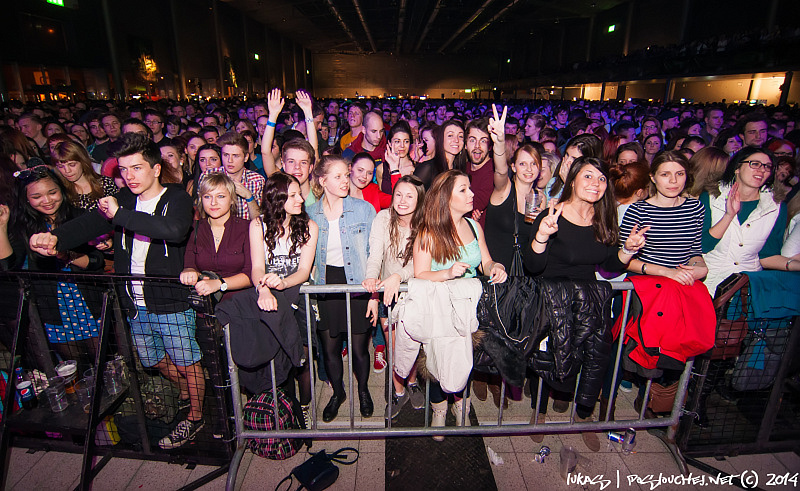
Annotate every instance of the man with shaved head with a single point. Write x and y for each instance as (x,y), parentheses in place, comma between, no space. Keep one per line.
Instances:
(371,140)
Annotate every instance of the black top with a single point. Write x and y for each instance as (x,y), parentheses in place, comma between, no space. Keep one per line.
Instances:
(572,253)
(499,229)
(426,171)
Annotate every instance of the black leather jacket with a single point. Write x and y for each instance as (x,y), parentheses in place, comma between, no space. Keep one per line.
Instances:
(577,317)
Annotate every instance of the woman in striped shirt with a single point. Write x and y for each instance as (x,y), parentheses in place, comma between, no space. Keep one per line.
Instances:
(674,241)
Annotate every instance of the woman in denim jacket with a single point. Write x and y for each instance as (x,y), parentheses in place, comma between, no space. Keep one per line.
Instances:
(341,257)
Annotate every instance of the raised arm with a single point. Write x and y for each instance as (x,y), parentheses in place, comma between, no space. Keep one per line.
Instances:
(306,103)
(275,105)
(498,133)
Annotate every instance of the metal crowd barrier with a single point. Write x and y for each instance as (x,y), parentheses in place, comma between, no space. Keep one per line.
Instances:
(501,428)
(749,400)
(131,407)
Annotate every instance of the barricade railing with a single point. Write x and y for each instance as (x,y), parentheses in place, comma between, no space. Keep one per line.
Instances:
(129,405)
(500,428)
(746,398)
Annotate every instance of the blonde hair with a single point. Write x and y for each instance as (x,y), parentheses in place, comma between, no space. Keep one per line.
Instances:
(319,171)
(211,182)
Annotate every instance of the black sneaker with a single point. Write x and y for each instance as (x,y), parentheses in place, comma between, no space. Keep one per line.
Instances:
(417,396)
(397,403)
(185,431)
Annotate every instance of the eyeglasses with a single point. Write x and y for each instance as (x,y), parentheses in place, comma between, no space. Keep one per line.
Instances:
(783,154)
(31,172)
(755,165)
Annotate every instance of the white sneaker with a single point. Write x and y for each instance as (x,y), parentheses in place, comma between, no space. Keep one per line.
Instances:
(438,418)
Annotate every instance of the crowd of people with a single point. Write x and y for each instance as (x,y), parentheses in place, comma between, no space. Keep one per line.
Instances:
(270,194)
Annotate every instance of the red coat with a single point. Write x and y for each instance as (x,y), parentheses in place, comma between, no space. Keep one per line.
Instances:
(671,322)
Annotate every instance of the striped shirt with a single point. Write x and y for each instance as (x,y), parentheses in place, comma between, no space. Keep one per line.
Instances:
(675,233)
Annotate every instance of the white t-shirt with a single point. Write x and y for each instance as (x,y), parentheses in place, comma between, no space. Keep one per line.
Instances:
(334,256)
(141,245)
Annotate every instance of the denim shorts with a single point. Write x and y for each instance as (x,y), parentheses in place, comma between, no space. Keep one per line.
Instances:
(156,335)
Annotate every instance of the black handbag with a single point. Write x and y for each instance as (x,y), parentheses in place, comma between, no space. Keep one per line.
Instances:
(204,304)
(319,472)
(516,258)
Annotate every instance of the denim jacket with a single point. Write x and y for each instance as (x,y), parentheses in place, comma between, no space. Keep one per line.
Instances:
(356,222)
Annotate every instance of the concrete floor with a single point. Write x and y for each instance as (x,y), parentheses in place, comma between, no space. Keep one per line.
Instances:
(60,471)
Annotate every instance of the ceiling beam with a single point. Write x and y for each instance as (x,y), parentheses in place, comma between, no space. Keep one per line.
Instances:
(364,25)
(343,24)
(465,25)
(436,9)
(401,18)
(487,24)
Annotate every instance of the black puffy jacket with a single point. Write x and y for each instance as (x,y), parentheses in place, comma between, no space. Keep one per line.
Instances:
(576,315)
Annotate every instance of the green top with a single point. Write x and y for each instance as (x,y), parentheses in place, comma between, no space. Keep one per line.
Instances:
(470,254)
(772,247)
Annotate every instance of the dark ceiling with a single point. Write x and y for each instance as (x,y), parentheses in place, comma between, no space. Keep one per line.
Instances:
(414,26)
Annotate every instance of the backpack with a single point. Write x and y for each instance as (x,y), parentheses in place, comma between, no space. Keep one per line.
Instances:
(259,415)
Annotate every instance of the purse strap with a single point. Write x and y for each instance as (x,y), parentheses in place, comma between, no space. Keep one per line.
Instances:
(516,223)
(340,456)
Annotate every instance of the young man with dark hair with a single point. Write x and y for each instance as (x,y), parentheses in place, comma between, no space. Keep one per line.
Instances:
(155,121)
(234,150)
(151,224)
(753,130)
(112,125)
(481,169)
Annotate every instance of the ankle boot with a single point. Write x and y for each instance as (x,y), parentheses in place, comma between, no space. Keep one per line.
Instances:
(438,417)
(589,437)
(603,407)
(457,407)
(479,389)
(539,420)
(495,390)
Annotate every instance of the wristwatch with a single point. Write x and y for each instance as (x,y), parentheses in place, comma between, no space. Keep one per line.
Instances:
(224,286)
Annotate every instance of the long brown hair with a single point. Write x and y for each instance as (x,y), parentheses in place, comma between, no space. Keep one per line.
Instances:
(604,221)
(437,233)
(69,151)
(394,219)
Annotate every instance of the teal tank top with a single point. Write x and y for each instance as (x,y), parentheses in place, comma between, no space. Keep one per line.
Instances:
(470,254)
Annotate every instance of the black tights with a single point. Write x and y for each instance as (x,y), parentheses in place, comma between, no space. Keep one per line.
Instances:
(334,365)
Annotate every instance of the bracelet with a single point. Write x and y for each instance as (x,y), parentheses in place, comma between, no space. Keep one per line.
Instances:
(272,124)
(787,264)
(394,172)
(644,268)
(309,120)
(539,241)
(250,199)
(499,154)
(627,251)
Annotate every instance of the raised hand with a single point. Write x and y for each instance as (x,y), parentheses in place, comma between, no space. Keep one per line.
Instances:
(497,125)
(549,224)
(391,157)
(304,100)
(733,204)
(275,102)
(636,239)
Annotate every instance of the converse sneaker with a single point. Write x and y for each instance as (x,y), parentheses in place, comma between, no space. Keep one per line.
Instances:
(398,401)
(379,365)
(185,431)
(417,396)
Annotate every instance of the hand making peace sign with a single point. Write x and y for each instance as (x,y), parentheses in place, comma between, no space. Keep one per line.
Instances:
(497,125)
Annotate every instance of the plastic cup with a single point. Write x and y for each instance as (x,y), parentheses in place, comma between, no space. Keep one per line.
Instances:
(569,461)
(114,377)
(83,390)
(68,370)
(56,394)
